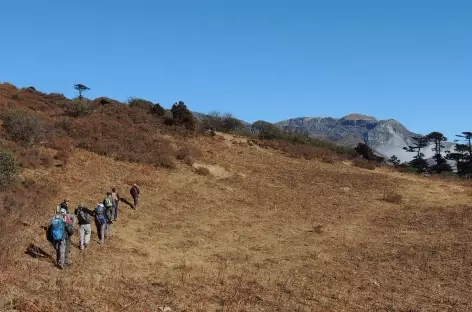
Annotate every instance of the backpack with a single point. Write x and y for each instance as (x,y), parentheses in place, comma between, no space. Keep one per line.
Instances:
(83,217)
(69,228)
(100,215)
(57,230)
(101,218)
(107,202)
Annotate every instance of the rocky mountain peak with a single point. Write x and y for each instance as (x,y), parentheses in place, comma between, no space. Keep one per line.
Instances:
(356,116)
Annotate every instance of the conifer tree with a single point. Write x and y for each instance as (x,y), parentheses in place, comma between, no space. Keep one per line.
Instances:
(418,162)
(438,139)
(394,160)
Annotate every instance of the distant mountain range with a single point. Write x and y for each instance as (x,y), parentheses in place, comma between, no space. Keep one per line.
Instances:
(387,137)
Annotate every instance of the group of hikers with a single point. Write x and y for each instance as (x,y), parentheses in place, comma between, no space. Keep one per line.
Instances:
(105,213)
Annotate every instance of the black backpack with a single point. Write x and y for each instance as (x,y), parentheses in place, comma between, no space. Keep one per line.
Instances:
(83,217)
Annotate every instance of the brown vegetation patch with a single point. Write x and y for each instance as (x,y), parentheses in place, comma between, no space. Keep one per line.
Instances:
(364,164)
(392,197)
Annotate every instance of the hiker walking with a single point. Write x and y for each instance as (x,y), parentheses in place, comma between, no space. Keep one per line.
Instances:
(115,200)
(85,230)
(134,192)
(59,233)
(101,223)
(63,205)
(108,203)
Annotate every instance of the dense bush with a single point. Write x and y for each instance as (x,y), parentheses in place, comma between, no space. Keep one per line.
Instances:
(79,108)
(8,168)
(182,116)
(224,123)
(140,103)
(23,127)
(158,110)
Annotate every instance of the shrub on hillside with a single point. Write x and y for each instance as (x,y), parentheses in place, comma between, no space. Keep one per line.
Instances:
(140,103)
(16,96)
(224,123)
(182,116)
(78,108)
(63,157)
(23,127)
(392,197)
(8,168)
(158,110)
(405,168)
(168,118)
(188,154)
(362,163)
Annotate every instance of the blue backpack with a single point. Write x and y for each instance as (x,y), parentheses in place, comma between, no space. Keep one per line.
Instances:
(57,229)
(100,215)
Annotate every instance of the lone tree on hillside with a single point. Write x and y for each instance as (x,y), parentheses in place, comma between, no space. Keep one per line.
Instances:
(418,162)
(437,138)
(394,160)
(81,88)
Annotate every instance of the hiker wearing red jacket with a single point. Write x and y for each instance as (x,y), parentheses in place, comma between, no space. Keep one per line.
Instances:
(134,192)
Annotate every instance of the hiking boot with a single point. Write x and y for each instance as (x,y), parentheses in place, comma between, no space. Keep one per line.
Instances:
(60,266)
(81,247)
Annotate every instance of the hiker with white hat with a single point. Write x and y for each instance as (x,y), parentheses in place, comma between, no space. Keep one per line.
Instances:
(59,233)
(101,222)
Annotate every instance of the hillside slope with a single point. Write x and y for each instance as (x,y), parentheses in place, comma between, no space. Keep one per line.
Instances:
(264,232)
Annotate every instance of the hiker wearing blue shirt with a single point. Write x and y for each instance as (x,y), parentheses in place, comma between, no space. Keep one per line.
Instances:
(101,222)
(59,233)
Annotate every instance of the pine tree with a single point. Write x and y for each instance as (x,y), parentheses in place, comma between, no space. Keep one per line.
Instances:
(394,160)
(437,138)
(81,88)
(418,162)
(459,157)
(464,164)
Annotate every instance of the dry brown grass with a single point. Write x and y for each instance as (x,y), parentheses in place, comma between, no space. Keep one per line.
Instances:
(392,197)
(279,236)
(267,233)
(202,171)
(364,164)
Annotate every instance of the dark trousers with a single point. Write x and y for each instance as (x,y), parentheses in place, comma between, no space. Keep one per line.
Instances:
(115,210)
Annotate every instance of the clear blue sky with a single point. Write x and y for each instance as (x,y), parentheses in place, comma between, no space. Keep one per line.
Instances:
(261,59)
